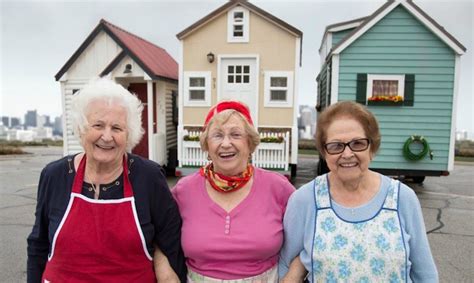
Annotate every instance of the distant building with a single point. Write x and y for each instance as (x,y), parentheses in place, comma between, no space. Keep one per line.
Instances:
(43,133)
(31,118)
(22,135)
(6,121)
(43,121)
(58,126)
(461,135)
(306,122)
(14,122)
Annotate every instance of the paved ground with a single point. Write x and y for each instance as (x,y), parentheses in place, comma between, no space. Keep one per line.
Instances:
(447,202)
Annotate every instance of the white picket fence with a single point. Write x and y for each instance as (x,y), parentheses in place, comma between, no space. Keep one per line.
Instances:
(267,155)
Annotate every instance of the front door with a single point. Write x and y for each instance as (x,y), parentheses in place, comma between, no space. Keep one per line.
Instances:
(140,89)
(238,81)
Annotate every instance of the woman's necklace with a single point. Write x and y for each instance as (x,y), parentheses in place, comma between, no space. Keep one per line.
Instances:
(96,187)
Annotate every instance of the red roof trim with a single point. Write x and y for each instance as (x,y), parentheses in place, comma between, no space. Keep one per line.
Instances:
(154,60)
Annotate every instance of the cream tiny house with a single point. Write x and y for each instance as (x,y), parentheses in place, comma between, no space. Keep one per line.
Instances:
(241,52)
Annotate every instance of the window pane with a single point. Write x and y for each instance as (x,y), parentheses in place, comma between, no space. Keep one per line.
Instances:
(278,81)
(230,79)
(278,95)
(196,94)
(238,16)
(246,69)
(238,79)
(246,78)
(238,30)
(385,88)
(238,69)
(230,69)
(197,81)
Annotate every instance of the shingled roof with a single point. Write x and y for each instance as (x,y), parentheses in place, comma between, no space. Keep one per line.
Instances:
(154,60)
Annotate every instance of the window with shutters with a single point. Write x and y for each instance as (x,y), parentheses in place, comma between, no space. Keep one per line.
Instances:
(238,25)
(385,87)
(197,88)
(278,89)
(381,89)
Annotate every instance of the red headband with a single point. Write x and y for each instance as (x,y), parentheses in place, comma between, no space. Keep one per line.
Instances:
(224,105)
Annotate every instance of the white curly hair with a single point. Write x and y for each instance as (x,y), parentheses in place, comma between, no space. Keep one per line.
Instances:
(105,89)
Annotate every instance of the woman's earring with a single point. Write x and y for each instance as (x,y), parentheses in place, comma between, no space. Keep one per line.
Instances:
(209,157)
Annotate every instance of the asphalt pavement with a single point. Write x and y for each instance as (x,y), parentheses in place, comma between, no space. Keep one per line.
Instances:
(447,204)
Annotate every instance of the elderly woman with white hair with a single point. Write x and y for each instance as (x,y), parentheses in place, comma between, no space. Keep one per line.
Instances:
(101,213)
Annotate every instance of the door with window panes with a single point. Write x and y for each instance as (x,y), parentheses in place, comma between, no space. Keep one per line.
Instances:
(238,82)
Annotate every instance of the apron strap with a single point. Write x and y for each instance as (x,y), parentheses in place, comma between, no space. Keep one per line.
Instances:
(79,178)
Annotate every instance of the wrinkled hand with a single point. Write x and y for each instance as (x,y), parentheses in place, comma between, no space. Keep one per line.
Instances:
(163,271)
(296,272)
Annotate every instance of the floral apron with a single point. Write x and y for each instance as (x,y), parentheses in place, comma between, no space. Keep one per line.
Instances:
(371,250)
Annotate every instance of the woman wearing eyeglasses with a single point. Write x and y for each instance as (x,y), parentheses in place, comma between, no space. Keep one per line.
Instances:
(232,211)
(353,224)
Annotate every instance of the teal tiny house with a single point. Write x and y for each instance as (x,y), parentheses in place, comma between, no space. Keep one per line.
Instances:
(404,66)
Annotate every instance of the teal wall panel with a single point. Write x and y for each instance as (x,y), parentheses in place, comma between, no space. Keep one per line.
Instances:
(337,36)
(400,44)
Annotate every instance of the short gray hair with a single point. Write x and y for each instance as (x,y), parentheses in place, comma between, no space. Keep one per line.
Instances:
(107,90)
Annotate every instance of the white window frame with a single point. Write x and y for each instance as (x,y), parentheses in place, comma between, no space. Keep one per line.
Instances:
(267,88)
(207,89)
(375,77)
(230,25)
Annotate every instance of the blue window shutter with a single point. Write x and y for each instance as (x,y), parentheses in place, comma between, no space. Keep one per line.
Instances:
(409,96)
(361,94)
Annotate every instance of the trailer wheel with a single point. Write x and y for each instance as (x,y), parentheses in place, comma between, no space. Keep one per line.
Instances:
(418,179)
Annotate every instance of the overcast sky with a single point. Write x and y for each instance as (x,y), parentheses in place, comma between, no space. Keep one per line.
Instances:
(38,37)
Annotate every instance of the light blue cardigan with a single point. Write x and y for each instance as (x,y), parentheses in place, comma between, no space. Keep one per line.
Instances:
(299,224)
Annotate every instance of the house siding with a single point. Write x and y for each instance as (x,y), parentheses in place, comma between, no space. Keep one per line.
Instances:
(262,42)
(93,60)
(323,98)
(338,35)
(171,133)
(400,44)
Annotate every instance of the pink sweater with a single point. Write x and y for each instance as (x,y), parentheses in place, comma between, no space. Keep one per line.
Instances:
(242,243)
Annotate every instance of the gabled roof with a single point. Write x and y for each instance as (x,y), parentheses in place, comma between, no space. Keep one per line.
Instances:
(154,60)
(231,4)
(342,26)
(416,11)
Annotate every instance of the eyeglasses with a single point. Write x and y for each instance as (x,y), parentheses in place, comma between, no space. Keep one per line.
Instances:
(218,137)
(355,145)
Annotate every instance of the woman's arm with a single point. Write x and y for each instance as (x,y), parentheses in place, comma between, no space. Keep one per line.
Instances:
(167,221)
(423,268)
(38,242)
(296,273)
(298,215)
(163,271)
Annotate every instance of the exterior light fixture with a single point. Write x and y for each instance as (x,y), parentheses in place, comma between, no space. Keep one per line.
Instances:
(128,69)
(210,57)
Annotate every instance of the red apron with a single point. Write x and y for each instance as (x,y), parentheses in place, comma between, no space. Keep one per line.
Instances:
(99,240)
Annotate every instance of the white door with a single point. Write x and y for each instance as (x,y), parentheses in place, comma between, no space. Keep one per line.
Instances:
(238,81)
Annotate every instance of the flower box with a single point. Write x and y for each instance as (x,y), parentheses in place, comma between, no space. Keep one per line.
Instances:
(384,103)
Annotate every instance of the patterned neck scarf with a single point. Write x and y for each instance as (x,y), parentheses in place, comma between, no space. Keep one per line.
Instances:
(225,184)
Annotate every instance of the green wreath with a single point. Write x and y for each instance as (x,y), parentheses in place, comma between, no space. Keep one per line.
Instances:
(410,155)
